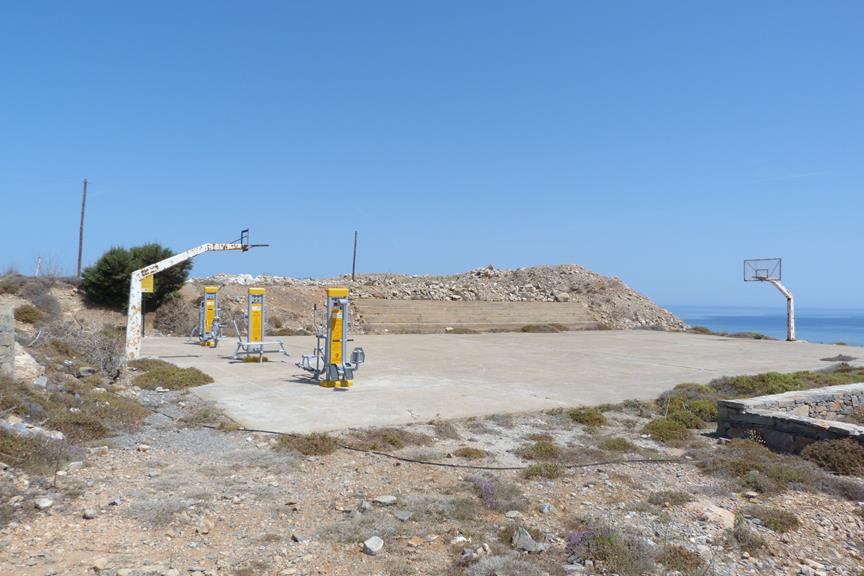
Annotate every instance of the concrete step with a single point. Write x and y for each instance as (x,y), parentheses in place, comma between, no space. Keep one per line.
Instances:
(429,316)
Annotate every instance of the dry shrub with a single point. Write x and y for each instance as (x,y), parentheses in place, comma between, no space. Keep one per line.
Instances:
(541,328)
(32,453)
(176,316)
(102,347)
(680,559)
(843,456)
(29,314)
(470,453)
(147,364)
(773,518)
(616,444)
(497,494)
(445,429)
(315,444)
(587,416)
(549,470)
(669,498)
(616,551)
(744,538)
(383,439)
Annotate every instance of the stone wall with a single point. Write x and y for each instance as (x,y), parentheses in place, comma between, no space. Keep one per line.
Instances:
(7,341)
(792,420)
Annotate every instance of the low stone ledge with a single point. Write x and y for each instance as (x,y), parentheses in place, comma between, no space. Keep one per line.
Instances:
(792,420)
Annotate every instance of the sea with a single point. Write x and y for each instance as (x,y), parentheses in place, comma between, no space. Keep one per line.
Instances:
(827,325)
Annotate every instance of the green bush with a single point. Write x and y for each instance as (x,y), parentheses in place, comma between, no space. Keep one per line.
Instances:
(843,456)
(540,449)
(666,430)
(587,416)
(106,283)
(617,552)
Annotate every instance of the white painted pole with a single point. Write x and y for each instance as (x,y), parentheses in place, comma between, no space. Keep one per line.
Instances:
(133,315)
(790,310)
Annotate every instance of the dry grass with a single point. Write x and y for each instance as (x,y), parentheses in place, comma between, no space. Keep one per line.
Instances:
(29,314)
(843,456)
(172,378)
(34,454)
(445,430)
(384,439)
(616,444)
(773,518)
(549,470)
(470,453)
(680,559)
(497,494)
(315,444)
(744,538)
(540,449)
(669,498)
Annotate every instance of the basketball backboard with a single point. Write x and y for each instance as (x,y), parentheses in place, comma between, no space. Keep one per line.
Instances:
(763,269)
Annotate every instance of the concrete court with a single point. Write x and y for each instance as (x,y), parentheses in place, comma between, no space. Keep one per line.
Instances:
(419,377)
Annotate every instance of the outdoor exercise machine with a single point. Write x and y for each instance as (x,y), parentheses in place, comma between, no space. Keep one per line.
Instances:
(330,363)
(256,319)
(209,328)
(771,270)
(134,321)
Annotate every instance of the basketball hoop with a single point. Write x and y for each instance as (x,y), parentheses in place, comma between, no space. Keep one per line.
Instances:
(771,270)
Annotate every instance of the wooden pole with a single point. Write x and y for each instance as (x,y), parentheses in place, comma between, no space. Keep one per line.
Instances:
(81,230)
(354,259)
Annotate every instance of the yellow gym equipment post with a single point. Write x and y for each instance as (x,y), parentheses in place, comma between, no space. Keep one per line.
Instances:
(209,329)
(333,333)
(256,319)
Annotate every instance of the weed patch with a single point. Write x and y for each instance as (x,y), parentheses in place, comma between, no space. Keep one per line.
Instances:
(773,518)
(616,444)
(446,430)
(744,538)
(680,559)
(666,430)
(587,416)
(29,314)
(383,439)
(314,444)
(549,470)
(470,453)
(615,551)
(669,498)
(172,378)
(843,456)
(497,494)
(540,450)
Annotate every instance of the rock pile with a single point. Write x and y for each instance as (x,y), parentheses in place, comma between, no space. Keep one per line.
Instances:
(611,301)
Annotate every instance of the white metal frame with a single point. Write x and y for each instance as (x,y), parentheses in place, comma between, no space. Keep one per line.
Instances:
(134,321)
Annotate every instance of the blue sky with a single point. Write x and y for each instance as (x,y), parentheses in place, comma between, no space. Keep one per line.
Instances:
(660,142)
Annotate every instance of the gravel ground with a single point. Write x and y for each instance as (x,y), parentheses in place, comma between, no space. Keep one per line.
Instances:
(178,498)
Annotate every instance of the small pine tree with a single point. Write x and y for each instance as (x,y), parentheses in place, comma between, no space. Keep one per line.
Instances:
(106,283)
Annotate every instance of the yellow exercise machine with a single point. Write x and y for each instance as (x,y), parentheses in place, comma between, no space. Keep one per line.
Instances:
(255,322)
(209,329)
(329,363)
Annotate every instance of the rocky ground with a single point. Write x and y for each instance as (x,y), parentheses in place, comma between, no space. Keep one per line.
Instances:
(176,497)
(613,303)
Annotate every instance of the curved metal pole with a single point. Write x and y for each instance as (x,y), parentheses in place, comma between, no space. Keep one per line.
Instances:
(134,322)
(790,310)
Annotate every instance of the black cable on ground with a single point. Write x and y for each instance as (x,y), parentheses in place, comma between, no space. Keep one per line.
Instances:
(449,465)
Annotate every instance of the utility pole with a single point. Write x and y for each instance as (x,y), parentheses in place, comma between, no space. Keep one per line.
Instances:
(354,259)
(81,229)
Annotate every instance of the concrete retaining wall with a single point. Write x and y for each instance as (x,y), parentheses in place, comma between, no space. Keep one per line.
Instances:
(7,341)
(790,421)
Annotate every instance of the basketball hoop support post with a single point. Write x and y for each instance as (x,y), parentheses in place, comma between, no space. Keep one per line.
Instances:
(790,309)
